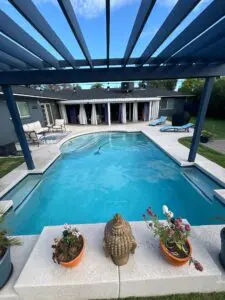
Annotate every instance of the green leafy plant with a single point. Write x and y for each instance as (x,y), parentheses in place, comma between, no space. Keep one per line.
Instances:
(207,134)
(68,246)
(173,233)
(6,241)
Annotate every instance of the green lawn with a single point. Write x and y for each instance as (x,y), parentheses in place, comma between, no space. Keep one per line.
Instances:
(217,157)
(211,296)
(216,126)
(7,164)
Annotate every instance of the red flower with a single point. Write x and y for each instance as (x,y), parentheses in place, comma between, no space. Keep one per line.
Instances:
(187,227)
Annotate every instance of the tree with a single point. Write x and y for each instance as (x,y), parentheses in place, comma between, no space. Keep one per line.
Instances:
(216,107)
(97,85)
(169,84)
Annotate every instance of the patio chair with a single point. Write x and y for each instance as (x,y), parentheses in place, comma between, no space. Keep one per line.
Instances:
(34,132)
(184,128)
(159,121)
(59,125)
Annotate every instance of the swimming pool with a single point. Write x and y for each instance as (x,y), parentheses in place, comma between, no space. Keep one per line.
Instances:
(100,174)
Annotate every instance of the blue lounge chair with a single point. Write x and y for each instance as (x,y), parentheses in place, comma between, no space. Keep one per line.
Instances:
(183,128)
(159,121)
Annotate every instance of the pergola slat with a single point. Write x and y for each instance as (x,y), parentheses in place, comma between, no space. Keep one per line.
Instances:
(15,32)
(140,21)
(214,52)
(4,67)
(35,18)
(70,15)
(207,18)
(177,15)
(107,4)
(14,50)
(211,36)
(12,61)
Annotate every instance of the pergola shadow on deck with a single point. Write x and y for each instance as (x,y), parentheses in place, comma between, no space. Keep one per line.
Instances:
(197,52)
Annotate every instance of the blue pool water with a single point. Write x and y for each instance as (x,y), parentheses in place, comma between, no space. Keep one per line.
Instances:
(128,174)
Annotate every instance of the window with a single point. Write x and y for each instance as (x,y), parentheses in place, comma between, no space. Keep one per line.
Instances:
(23,109)
(167,104)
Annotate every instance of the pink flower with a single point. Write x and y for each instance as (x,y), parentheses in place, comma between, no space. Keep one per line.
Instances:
(149,211)
(179,220)
(187,227)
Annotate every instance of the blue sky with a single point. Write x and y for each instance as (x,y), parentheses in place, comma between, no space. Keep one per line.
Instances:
(91,16)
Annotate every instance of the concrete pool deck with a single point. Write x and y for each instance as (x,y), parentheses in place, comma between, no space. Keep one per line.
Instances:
(46,154)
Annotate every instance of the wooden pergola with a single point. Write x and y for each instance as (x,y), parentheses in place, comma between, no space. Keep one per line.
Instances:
(197,52)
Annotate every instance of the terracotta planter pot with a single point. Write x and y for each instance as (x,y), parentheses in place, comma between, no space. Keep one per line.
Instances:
(175,261)
(76,260)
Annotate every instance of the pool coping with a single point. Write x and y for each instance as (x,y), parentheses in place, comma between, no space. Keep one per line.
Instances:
(173,149)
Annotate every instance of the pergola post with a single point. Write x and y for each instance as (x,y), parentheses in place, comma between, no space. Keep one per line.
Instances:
(203,106)
(11,103)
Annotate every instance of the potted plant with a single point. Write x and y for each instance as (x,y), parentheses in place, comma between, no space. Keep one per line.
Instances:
(6,242)
(69,249)
(206,136)
(173,234)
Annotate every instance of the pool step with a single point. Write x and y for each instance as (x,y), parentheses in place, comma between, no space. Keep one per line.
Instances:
(84,143)
(21,191)
(205,184)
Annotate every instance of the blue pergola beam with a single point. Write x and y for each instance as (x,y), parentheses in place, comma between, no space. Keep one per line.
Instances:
(112,74)
(214,12)
(203,106)
(11,103)
(29,11)
(211,36)
(140,21)
(71,18)
(177,15)
(16,33)
(12,61)
(18,52)
(107,7)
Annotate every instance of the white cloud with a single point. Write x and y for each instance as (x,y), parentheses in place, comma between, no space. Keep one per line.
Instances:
(91,8)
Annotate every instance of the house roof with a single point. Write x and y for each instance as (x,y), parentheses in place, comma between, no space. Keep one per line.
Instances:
(96,93)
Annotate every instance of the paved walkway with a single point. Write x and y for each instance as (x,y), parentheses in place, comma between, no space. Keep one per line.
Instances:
(218,145)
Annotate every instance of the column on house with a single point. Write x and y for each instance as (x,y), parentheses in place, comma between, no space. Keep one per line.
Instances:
(135,112)
(63,114)
(124,114)
(150,110)
(94,120)
(82,115)
(109,113)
